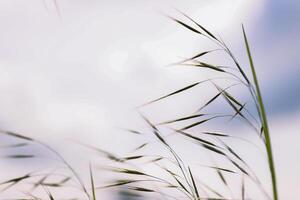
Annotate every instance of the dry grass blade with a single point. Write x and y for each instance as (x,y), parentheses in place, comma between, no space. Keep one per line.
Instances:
(174,93)
(132,157)
(205,65)
(14,181)
(194,57)
(140,146)
(200,26)
(229,96)
(181,119)
(16,135)
(220,174)
(141,189)
(210,101)
(40,182)
(57,184)
(221,91)
(202,141)
(237,109)
(130,171)
(213,149)
(215,134)
(120,183)
(195,124)
(185,25)
(238,112)
(133,131)
(238,166)
(182,186)
(105,153)
(155,130)
(156,160)
(20,156)
(23,144)
(234,153)
(50,196)
(201,122)
(194,185)
(221,169)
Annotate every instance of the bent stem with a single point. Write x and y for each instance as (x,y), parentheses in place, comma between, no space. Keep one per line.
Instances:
(263,116)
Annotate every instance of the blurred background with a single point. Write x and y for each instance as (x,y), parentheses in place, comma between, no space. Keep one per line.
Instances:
(74,70)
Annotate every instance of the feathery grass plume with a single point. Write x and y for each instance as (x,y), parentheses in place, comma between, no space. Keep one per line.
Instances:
(236,165)
(174,173)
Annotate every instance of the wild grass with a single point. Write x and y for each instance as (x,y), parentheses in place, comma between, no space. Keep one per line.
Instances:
(175,178)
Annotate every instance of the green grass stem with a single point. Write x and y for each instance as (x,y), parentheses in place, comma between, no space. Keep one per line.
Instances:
(264,121)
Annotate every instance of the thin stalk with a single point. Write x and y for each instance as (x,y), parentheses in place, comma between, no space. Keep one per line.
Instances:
(92,183)
(262,113)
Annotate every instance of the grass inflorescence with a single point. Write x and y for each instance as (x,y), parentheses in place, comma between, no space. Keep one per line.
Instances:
(177,179)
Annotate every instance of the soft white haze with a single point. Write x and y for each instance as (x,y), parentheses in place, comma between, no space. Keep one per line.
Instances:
(80,70)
